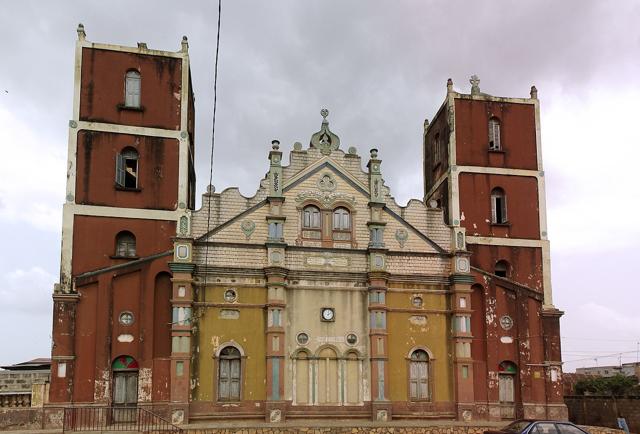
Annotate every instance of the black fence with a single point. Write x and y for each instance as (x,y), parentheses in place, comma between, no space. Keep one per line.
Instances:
(116,419)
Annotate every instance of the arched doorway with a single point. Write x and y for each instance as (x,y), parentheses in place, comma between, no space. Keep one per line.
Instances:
(125,388)
(507,372)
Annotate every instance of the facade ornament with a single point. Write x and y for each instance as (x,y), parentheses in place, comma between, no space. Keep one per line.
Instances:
(475,85)
(324,139)
(81,34)
(325,198)
(534,92)
(352,150)
(401,236)
(184,225)
(248,226)
(327,182)
(297,146)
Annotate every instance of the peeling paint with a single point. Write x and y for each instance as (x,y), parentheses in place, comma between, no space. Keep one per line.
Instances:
(102,386)
(145,376)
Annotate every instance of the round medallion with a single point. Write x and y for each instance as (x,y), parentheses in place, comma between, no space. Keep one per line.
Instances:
(462,264)
(230,295)
(126,318)
(302,338)
(417,301)
(352,339)
(506,322)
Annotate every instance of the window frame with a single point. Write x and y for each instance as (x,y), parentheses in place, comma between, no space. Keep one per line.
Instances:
(341,212)
(123,160)
(498,200)
(495,134)
(132,89)
(241,369)
(426,379)
(119,239)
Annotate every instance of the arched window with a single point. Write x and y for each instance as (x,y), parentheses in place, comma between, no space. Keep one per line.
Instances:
(419,375)
(127,168)
(229,374)
(328,377)
(494,134)
(311,217)
(498,206)
(437,150)
(502,268)
(132,89)
(125,244)
(341,219)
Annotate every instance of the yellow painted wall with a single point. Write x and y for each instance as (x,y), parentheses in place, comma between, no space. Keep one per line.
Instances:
(247,331)
(404,335)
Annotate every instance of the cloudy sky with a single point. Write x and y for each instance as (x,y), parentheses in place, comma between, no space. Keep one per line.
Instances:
(380,67)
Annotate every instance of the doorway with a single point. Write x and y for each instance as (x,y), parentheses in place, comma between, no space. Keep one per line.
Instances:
(125,389)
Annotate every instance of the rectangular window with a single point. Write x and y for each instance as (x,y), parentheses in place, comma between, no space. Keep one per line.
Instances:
(380,380)
(179,369)
(275,376)
(275,318)
(463,302)
(275,343)
(62,369)
(465,371)
(275,230)
(376,297)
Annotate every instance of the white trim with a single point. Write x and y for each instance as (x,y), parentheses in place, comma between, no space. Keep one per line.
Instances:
(498,171)
(513,242)
(128,129)
(131,213)
(318,163)
(134,50)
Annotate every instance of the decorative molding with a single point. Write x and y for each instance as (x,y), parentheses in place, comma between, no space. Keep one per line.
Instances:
(326,198)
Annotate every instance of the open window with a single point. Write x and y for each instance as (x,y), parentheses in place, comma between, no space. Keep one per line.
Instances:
(127,168)
(132,89)
(502,268)
(125,245)
(498,206)
(494,134)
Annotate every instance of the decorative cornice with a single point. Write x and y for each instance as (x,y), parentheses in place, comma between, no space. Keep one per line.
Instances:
(182,267)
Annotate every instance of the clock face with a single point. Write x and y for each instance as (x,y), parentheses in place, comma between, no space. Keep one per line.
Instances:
(327,314)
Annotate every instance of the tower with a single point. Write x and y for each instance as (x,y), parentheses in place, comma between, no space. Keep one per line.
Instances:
(130,191)
(483,166)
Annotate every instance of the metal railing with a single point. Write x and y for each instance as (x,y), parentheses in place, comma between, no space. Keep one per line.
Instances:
(116,419)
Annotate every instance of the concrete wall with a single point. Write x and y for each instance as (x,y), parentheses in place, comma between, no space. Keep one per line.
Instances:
(604,410)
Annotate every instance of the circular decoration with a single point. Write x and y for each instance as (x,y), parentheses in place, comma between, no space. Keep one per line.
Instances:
(230,295)
(276,257)
(352,339)
(302,338)
(327,314)
(297,146)
(126,318)
(352,150)
(327,183)
(506,322)
(417,301)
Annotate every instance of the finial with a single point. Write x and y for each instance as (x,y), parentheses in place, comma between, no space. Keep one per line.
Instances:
(275,144)
(210,189)
(426,124)
(142,45)
(534,92)
(475,85)
(81,34)
(374,153)
(185,44)
(297,146)
(324,113)
(449,85)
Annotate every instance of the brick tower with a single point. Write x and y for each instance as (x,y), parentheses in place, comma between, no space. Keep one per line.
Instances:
(483,166)
(130,191)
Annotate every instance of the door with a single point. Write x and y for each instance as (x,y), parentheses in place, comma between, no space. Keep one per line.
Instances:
(229,373)
(507,392)
(125,396)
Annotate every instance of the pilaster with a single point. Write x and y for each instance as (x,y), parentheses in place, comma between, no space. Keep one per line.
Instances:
(275,337)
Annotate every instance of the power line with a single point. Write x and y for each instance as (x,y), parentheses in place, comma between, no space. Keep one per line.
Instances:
(213,144)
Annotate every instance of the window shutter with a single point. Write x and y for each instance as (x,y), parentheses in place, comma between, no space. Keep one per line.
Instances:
(504,209)
(120,170)
(494,204)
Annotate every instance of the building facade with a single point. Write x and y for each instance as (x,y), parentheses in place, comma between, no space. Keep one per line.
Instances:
(319,296)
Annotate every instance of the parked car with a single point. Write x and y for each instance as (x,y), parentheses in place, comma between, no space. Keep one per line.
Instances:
(539,427)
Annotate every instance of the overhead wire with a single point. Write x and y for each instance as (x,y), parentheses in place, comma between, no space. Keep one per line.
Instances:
(213,143)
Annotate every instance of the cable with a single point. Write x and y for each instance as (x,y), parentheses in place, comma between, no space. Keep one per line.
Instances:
(213,144)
